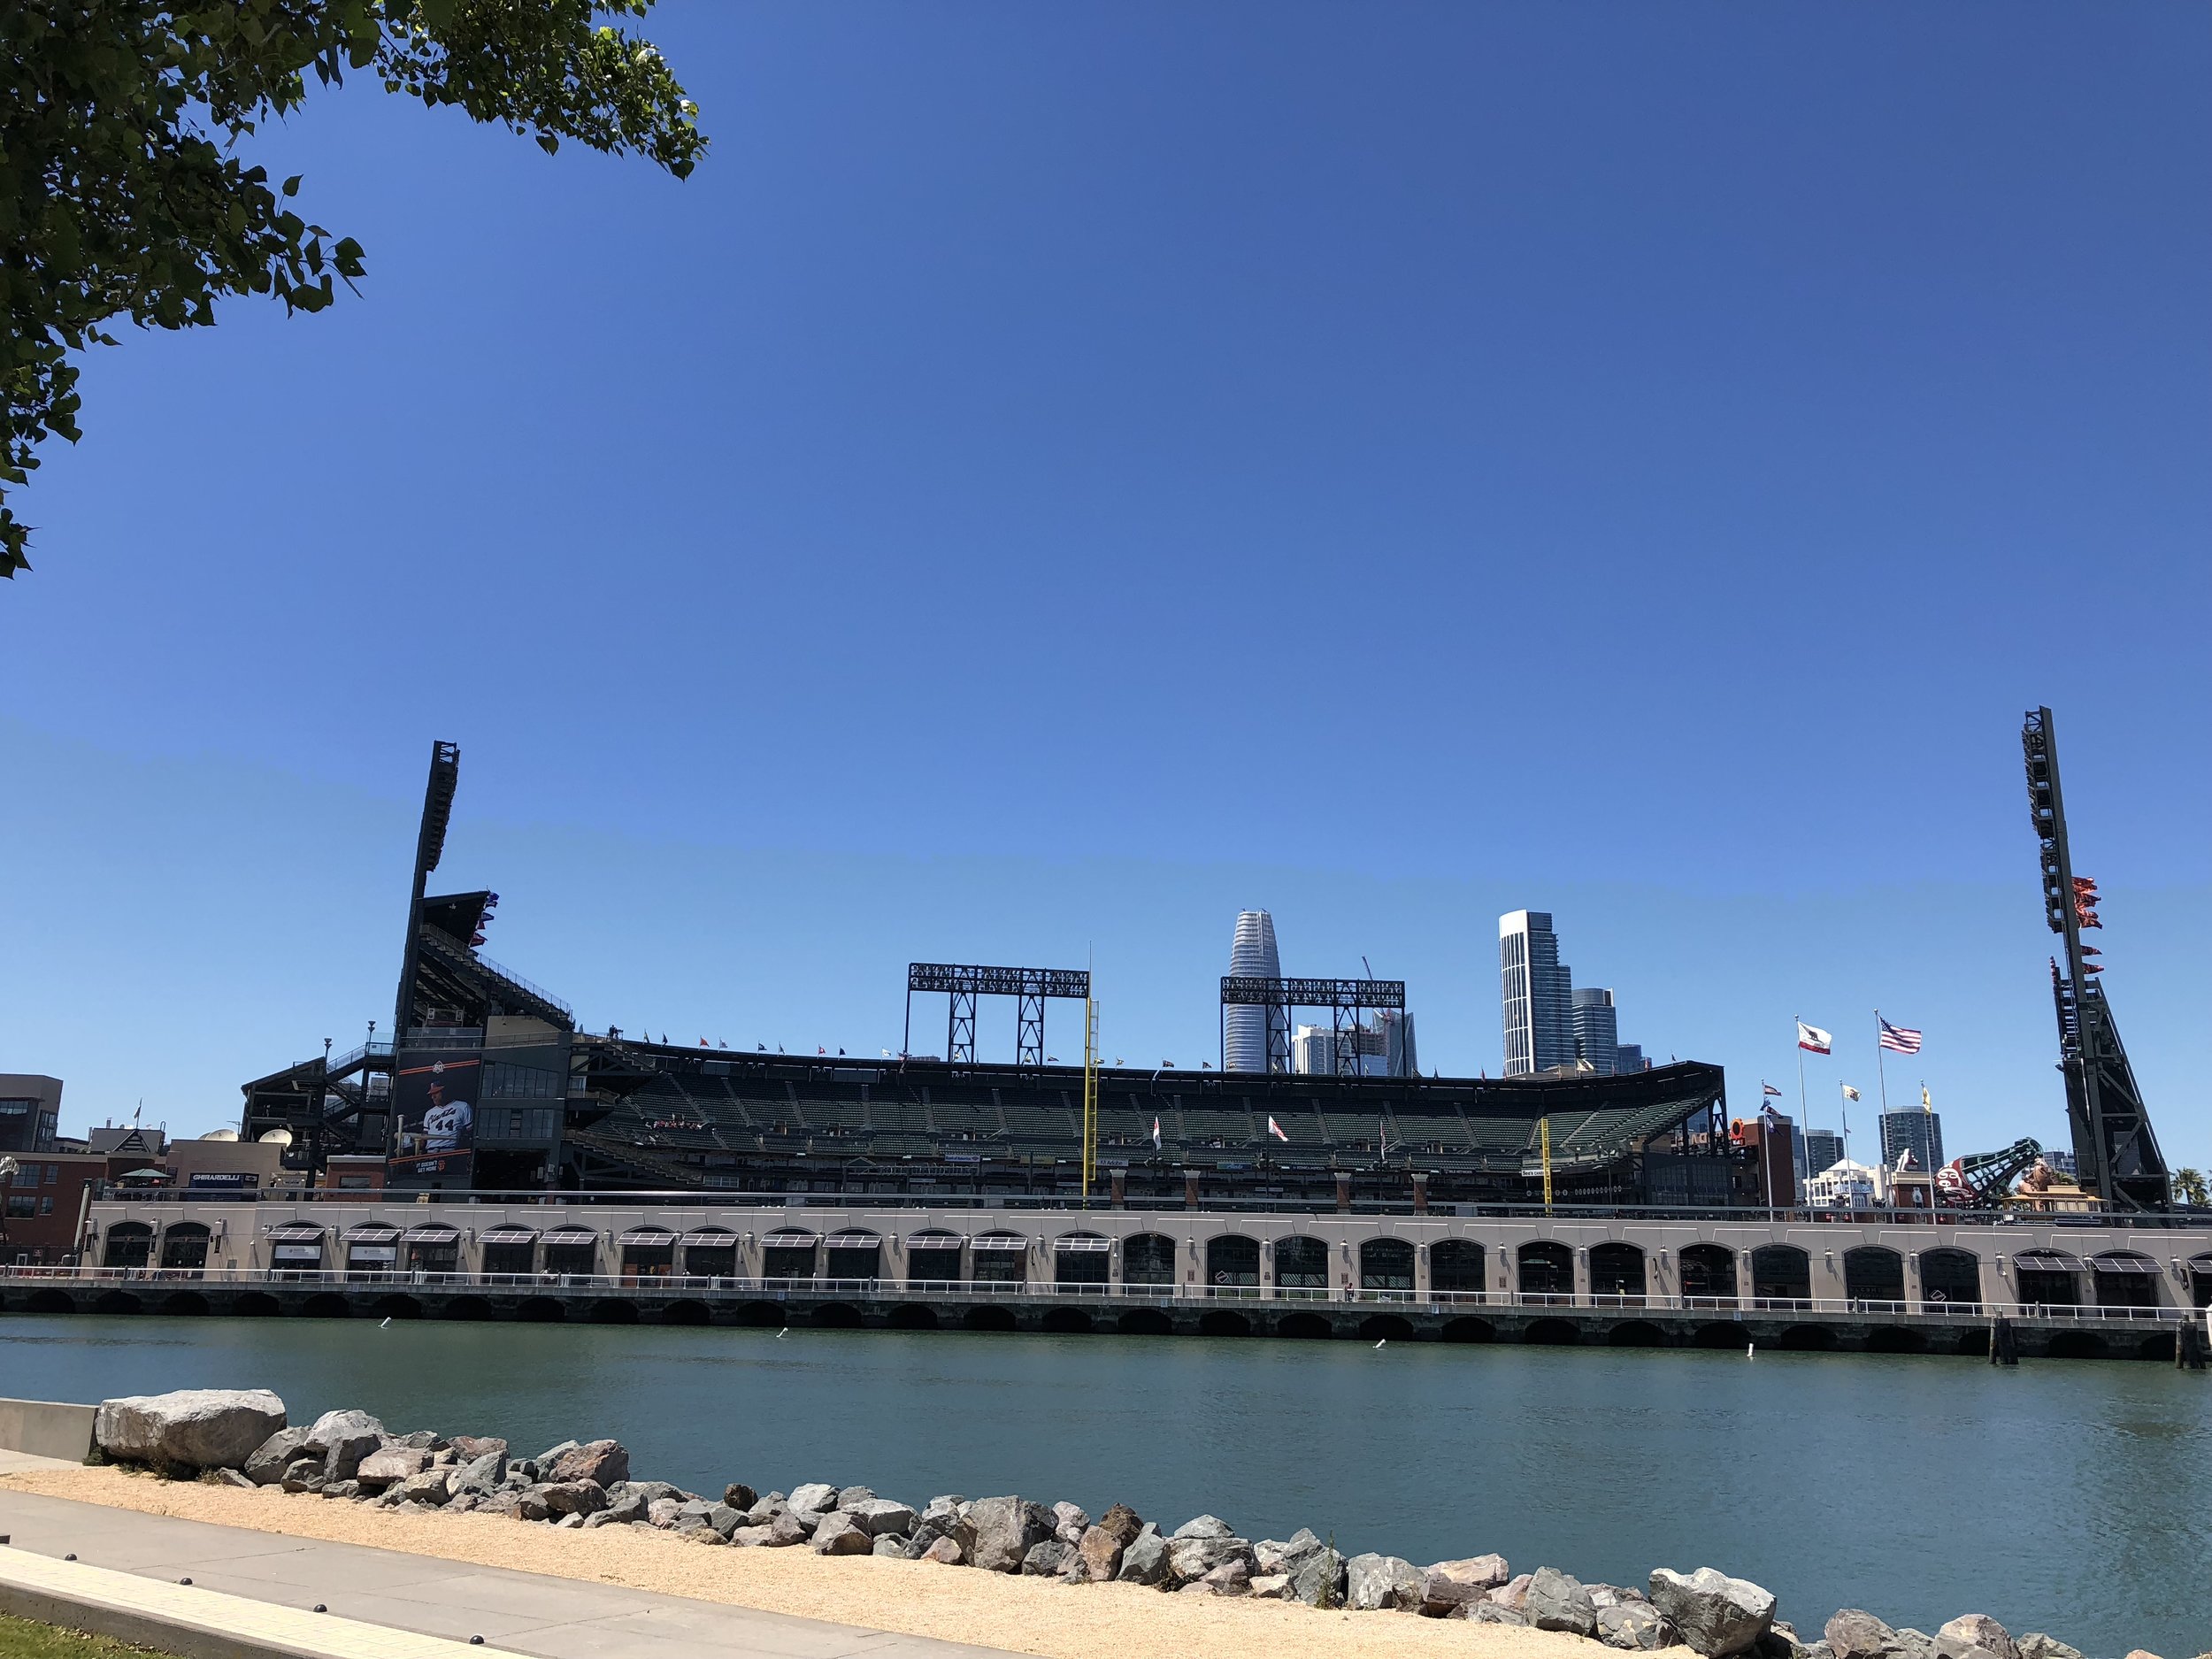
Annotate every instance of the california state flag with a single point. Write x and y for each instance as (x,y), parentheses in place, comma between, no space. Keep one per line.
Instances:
(1276,1129)
(1812,1039)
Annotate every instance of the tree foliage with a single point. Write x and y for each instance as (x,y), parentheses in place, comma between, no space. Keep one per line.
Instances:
(123,194)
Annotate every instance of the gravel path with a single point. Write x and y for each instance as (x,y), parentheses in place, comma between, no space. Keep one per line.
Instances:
(1031,1616)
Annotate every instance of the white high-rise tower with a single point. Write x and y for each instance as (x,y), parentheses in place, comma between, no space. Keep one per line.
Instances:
(1244,1031)
(1536,987)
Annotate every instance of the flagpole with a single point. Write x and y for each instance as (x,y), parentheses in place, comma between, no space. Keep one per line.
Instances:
(1804,1111)
(1880,1071)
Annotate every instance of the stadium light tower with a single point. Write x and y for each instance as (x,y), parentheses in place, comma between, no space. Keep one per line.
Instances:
(437,812)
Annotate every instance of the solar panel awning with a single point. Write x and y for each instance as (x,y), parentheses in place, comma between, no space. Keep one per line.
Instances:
(646,1236)
(511,1235)
(295,1233)
(572,1235)
(2124,1262)
(1002,1243)
(854,1240)
(371,1232)
(790,1239)
(1080,1241)
(935,1239)
(713,1238)
(2048,1262)
(431,1233)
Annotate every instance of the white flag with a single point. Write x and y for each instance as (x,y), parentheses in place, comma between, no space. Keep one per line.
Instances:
(1812,1039)
(1849,1093)
(1156,1134)
(1276,1129)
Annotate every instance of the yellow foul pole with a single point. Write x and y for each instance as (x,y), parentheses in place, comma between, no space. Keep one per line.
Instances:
(1090,1095)
(1543,1129)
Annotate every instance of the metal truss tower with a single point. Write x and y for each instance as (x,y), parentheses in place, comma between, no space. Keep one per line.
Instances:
(2115,1153)
(1345,999)
(962,984)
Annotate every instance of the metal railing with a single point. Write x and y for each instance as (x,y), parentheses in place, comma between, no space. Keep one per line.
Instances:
(780,1289)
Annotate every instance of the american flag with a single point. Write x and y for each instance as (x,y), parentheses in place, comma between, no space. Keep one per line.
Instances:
(1899,1039)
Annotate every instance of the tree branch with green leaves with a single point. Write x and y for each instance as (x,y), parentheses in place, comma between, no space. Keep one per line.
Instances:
(124,196)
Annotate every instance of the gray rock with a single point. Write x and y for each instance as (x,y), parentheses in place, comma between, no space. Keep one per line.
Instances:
(1005,1531)
(1556,1602)
(418,1441)
(1047,1560)
(1512,1594)
(758,1538)
(302,1476)
(428,1486)
(1274,1587)
(882,1517)
(192,1428)
(1069,1523)
(602,1463)
(838,1534)
(469,1447)
(1230,1578)
(1374,1583)
(1717,1615)
(895,1548)
(1190,1559)
(1145,1560)
(737,1494)
(228,1477)
(1449,1587)
(1204,1526)
(813,1498)
(1636,1626)
(632,1505)
(1975,1636)
(1914,1644)
(724,1519)
(847,1496)
(341,1489)
(1855,1633)
(2036,1644)
(949,1504)
(344,1438)
(390,1465)
(545,1457)
(1493,1613)
(1097,1557)
(1318,1577)
(1605,1595)
(945,1551)
(1781,1642)
(571,1497)
(483,1475)
(662,1512)
(265,1466)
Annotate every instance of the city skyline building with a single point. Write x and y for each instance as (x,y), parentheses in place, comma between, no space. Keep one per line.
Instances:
(1596,1026)
(1629,1056)
(1382,1048)
(1246,1032)
(1536,991)
(1920,1131)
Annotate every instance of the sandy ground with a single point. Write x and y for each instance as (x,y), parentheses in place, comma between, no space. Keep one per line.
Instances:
(1031,1616)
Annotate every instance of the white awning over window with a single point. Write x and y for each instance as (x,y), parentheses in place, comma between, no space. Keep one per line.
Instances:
(791,1239)
(371,1232)
(651,1237)
(1080,1241)
(572,1236)
(511,1235)
(711,1238)
(434,1232)
(1002,1243)
(295,1232)
(854,1240)
(935,1239)
(2048,1262)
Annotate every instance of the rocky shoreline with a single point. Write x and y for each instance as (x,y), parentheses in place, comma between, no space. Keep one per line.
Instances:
(243,1439)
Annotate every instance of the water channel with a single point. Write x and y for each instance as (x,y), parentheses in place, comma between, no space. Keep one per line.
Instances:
(2071,1496)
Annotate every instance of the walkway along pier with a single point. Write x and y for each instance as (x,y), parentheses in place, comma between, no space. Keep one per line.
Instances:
(2116,1286)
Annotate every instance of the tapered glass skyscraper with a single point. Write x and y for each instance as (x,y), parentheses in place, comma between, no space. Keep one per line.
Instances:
(1246,1030)
(1536,987)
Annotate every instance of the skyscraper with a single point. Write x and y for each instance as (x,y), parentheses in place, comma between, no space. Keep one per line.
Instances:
(1629,1056)
(1921,1131)
(1382,1047)
(1246,1030)
(1539,1020)
(1597,1037)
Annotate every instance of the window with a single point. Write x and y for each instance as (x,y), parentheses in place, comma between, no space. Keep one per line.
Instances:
(21,1206)
(517,1123)
(46,1206)
(503,1081)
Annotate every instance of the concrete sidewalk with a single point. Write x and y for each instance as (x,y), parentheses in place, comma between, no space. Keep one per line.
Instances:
(525,1613)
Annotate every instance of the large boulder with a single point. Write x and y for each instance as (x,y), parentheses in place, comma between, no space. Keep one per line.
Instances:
(390,1465)
(1189,1559)
(2036,1644)
(840,1534)
(1635,1626)
(881,1516)
(1204,1526)
(604,1462)
(1374,1583)
(344,1438)
(572,1497)
(430,1487)
(1097,1557)
(1975,1636)
(1449,1587)
(1318,1576)
(193,1428)
(1557,1601)
(468,1448)
(1145,1560)
(1512,1595)
(1005,1531)
(1069,1522)
(945,1551)
(1122,1523)
(1717,1615)
(813,1498)
(1855,1633)
(269,1461)
(481,1475)
(1048,1560)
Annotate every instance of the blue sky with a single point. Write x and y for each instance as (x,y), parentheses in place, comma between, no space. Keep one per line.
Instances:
(1056,476)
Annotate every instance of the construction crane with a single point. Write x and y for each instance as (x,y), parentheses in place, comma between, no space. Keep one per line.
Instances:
(1985,1177)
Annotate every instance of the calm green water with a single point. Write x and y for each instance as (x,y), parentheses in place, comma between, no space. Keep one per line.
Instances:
(2069,1496)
